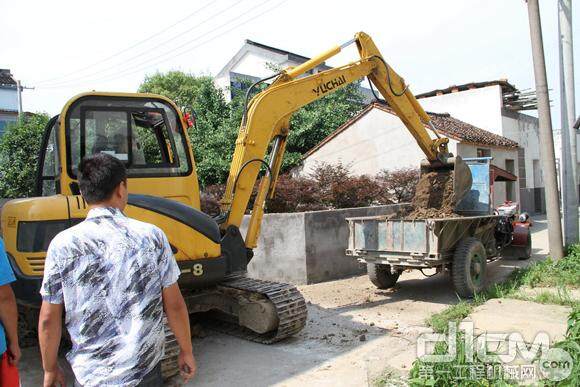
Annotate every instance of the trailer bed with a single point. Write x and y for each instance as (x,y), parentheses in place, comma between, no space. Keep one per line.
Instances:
(417,243)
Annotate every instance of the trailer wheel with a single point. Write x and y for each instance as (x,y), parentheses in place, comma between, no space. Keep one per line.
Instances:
(526,252)
(469,267)
(381,276)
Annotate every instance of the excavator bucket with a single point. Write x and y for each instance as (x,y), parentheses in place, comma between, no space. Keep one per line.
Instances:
(459,171)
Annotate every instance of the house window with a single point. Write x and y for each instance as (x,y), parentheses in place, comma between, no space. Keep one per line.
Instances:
(510,185)
(483,152)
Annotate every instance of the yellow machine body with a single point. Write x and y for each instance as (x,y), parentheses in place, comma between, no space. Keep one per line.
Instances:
(167,194)
(23,219)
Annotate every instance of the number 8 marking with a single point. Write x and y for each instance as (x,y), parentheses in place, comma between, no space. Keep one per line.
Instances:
(197,269)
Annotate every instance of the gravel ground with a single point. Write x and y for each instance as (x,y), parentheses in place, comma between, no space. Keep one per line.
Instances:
(354,331)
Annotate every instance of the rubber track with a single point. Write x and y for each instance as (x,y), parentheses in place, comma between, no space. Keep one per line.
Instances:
(289,304)
(169,366)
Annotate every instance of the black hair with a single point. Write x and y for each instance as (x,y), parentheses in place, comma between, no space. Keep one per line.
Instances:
(99,175)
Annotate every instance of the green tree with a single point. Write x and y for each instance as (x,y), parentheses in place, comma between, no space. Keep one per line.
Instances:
(211,137)
(19,149)
(218,122)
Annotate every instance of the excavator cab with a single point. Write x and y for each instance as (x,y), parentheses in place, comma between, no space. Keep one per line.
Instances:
(146,132)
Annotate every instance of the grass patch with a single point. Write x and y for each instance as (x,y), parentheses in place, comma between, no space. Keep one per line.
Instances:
(565,272)
(570,344)
(461,371)
(562,296)
(439,321)
(562,274)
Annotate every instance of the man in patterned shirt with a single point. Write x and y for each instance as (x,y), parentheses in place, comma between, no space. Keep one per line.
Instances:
(114,276)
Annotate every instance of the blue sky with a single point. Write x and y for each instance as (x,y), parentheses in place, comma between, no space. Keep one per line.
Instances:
(66,47)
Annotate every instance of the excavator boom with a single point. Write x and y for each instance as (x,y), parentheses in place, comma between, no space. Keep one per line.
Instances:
(267,116)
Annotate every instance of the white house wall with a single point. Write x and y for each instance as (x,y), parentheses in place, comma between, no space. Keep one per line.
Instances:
(525,130)
(8,99)
(377,141)
(480,107)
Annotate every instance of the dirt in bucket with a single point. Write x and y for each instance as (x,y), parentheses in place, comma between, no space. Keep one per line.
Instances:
(434,197)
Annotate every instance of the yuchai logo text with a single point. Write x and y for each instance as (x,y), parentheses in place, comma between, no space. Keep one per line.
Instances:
(326,87)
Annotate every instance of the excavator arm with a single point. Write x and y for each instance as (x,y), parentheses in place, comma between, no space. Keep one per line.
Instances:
(267,116)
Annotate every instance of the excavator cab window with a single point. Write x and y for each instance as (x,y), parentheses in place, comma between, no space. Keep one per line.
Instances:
(49,168)
(145,134)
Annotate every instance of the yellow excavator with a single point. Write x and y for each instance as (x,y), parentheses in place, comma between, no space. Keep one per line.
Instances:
(149,133)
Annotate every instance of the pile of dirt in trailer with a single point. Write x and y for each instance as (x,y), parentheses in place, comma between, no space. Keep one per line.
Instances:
(434,197)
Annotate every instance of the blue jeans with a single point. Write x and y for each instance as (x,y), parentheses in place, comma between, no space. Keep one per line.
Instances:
(152,379)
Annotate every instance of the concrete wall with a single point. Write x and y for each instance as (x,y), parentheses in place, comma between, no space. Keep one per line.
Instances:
(307,247)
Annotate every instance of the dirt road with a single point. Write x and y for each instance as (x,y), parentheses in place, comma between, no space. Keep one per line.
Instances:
(354,331)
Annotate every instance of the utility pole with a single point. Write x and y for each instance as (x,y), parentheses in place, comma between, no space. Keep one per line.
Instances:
(568,116)
(546,140)
(19,89)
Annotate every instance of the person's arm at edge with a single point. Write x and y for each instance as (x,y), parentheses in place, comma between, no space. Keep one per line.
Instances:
(9,319)
(178,319)
(49,335)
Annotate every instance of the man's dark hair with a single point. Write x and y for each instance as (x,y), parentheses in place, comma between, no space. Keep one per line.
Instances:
(99,175)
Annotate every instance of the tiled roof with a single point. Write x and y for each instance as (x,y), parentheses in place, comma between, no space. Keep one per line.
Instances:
(503,83)
(6,78)
(445,124)
(462,131)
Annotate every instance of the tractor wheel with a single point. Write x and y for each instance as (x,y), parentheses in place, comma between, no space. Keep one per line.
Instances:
(381,276)
(469,267)
(525,253)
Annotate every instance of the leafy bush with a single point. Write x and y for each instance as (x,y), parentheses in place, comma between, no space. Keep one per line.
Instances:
(398,185)
(340,189)
(295,195)
(328,187)
(19,148)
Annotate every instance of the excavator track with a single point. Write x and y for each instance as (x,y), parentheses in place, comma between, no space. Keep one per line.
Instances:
(288,301)
(169,366)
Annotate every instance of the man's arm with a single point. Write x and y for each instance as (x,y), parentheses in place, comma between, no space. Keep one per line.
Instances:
(49,335)
(9,319)
(178,319)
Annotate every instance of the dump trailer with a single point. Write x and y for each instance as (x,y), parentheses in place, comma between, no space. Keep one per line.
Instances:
(461,244)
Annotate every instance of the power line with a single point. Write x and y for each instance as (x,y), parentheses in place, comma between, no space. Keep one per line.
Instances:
(155,35)
(148,51)
(130,70)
